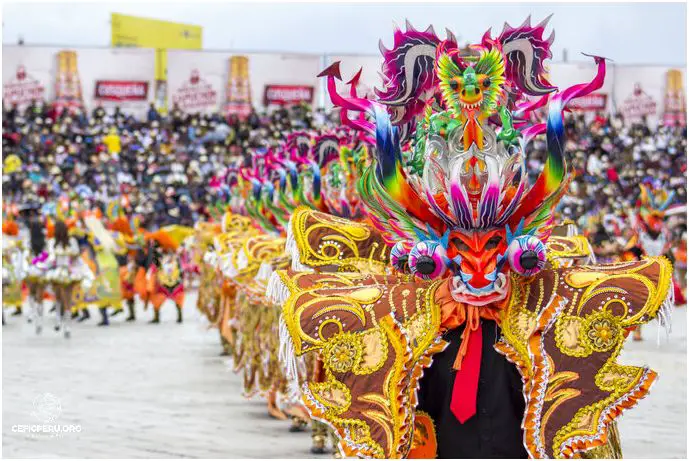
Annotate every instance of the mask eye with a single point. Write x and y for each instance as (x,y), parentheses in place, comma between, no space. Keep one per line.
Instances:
(460,245)
(493,242)
(486,83)
(427,260)
(399,256)
(454,84)
(526,255)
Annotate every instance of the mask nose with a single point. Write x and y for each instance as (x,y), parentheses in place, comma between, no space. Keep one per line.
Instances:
(471,93)
(479,281)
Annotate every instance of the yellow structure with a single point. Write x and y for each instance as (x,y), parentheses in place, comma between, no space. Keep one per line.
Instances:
(67,84)
(151,33)
(238,87)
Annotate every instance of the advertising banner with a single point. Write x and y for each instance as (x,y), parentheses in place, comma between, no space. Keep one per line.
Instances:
(238,99)
(22,89)
(675,107)
(593,102)
(287,94)
(637,105)
(136,31)
(195,94)
(67,83)
(121,90)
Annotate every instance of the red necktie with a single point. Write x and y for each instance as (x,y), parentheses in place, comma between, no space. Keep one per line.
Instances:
(465,389)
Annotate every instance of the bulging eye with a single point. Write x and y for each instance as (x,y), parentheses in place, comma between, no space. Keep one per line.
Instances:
(454,84)
(486,83)
(427,260)
(399,255)
(526,255)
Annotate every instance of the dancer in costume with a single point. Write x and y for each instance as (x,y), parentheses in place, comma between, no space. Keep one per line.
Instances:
(459,353)
(36,264)
(203,254)
(107,246)
(164,277)
(126,254)
(82,297)
(107,284)
(12,267)
(650,235)
(66,271)
(125,249)
(679,253)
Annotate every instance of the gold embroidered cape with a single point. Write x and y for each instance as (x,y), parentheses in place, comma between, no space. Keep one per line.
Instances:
(563,328)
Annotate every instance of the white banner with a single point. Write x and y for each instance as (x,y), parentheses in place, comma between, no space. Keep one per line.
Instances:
(198,80)
(212,69)
(641,90)
(93,64)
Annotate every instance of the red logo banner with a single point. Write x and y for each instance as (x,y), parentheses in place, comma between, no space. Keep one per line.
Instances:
(288,94)
(121,90)
(590,103)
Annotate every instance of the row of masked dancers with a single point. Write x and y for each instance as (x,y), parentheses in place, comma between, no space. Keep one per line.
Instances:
(75,259)
(402,287)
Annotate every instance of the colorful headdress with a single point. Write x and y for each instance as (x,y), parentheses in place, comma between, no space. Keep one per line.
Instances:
(457,114)
(654,201)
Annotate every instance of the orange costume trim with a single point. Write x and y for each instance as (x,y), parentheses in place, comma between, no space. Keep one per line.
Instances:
(127,283)
(425,443)
(141,284)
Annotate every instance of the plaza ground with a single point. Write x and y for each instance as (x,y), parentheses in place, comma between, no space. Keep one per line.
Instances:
(163,391)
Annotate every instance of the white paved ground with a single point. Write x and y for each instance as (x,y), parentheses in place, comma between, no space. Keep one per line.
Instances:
(163,391)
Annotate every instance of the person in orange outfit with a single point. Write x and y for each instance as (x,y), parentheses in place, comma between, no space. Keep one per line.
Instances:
(164,275)
(126,254)
(127,282)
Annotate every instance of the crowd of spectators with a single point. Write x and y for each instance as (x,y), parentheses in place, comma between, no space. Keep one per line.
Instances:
(164,163)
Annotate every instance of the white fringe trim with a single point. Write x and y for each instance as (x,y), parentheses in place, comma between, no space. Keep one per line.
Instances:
(242,260)
(265,272)
(210,258)
(224,262)
(572,230)
(292,250)
(277,292)
(664,316)
(288,358)
(290,242)
(228,268)
(592,256)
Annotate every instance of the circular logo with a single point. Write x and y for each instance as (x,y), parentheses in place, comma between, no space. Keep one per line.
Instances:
(46,408)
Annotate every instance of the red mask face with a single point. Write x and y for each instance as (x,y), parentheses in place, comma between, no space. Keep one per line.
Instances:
(480,262)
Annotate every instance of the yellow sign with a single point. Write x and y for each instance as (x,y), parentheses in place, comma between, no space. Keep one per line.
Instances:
(151,33)
(162,35)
